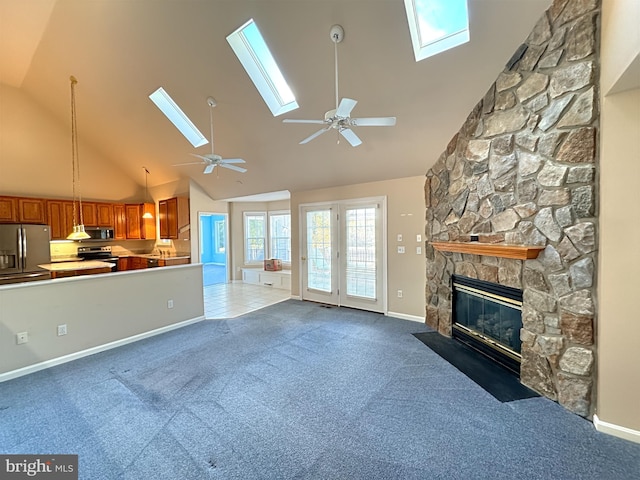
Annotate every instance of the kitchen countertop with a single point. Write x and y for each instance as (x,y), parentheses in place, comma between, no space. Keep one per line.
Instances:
(83,265)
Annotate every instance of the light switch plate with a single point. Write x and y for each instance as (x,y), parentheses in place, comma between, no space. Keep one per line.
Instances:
(418,238)
(419,250)
(399,237)
(400,249)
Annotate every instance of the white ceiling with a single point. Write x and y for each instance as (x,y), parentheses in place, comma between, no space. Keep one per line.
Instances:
(121,51)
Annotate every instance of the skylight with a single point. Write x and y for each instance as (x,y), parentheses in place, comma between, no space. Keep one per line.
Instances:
(173,112)
(437,25)
(254,55)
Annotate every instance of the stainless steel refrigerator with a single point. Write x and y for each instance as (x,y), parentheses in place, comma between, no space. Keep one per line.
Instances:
(22,248)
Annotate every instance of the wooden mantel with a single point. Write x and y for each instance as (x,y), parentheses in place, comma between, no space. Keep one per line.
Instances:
(520,252)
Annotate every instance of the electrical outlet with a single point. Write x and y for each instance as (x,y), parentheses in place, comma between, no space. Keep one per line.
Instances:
(419,250)
(399,293)
(169,303)
(418,238)
(22,337)
(62,330)
(400,249)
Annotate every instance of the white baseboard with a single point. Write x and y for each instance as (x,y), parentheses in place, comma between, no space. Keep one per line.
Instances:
(616,430)
(90,351)
(404,316)
(296,297)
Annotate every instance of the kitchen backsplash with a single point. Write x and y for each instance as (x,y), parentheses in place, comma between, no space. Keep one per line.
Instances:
(61,250)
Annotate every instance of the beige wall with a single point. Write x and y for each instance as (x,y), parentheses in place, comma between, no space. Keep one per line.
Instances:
(405,215)
(236,229)
(35,156)
(619,317)
(97,310)
(199,201)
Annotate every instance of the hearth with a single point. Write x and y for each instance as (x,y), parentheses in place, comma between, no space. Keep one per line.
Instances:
(488,317)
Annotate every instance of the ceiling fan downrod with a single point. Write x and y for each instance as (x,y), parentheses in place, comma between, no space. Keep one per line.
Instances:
(336,34)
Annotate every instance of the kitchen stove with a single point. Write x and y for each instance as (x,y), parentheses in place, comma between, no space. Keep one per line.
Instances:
(103,254)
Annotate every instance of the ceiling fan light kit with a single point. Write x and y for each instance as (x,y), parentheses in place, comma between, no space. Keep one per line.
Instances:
(213,160)
(340,118)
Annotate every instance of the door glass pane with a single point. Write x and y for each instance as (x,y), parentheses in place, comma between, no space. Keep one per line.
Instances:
(319,250)
(361,252)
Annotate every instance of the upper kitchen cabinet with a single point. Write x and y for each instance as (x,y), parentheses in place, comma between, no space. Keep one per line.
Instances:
(174,218)
(137,226)
(8,210)
(105,215)
(32,210)
(60,218)
(119,222)
(89,214)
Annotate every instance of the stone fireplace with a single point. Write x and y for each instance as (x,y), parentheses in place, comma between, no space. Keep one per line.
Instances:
(518,183)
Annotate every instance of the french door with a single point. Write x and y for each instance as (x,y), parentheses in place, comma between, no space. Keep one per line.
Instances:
(343,255)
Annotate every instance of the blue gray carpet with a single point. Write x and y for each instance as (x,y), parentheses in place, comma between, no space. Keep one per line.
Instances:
(295,391)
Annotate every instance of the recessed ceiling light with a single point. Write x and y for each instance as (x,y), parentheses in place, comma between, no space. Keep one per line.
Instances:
(173,112)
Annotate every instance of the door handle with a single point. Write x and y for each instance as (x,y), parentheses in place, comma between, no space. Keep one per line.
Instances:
(303,258)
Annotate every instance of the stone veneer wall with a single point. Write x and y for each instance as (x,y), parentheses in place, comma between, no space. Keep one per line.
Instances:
(522,170)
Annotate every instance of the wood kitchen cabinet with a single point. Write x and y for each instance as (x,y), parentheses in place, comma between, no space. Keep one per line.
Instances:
(89,214)
(8,210)
(32,210)
(105,215)
(60,218)
(119,222)
(138,227)
(174,218)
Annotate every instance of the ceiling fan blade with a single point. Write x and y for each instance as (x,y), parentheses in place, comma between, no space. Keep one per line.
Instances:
(209,168)
(311,137)
(293,120)
(188,163)
(205,158)
(345,107)
(232,160)
(374,122)
(351,137)
(233,167)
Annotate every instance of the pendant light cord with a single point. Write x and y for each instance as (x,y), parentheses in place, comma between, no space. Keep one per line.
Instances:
(75,161)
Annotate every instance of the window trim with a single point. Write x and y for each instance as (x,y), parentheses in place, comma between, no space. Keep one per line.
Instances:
(269,215)
(423,50)
(245,238)
(262,68)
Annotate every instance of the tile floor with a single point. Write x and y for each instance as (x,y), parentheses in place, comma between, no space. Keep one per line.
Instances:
(228,300)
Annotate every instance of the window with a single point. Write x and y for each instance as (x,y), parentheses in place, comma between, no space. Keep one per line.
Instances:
(262,238)
(220,233)
(255,226)
(254,55)
(173,112)
(280,236)
(436,25)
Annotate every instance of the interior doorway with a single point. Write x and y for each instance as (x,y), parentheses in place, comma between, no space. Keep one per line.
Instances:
(344,253)
(214,248)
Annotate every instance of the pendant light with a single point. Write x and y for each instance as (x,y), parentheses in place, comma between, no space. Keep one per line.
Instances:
(78,232)
(146,214)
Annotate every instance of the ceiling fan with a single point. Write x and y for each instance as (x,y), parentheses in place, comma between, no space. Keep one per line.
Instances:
(339,118)
(213,160)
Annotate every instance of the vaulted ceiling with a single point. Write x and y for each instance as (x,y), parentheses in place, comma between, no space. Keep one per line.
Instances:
(121,51)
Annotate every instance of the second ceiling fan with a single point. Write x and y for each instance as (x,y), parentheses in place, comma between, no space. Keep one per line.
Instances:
(213,160)
(340,118)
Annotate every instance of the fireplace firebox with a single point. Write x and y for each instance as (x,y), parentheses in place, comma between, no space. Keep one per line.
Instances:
(488,318)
